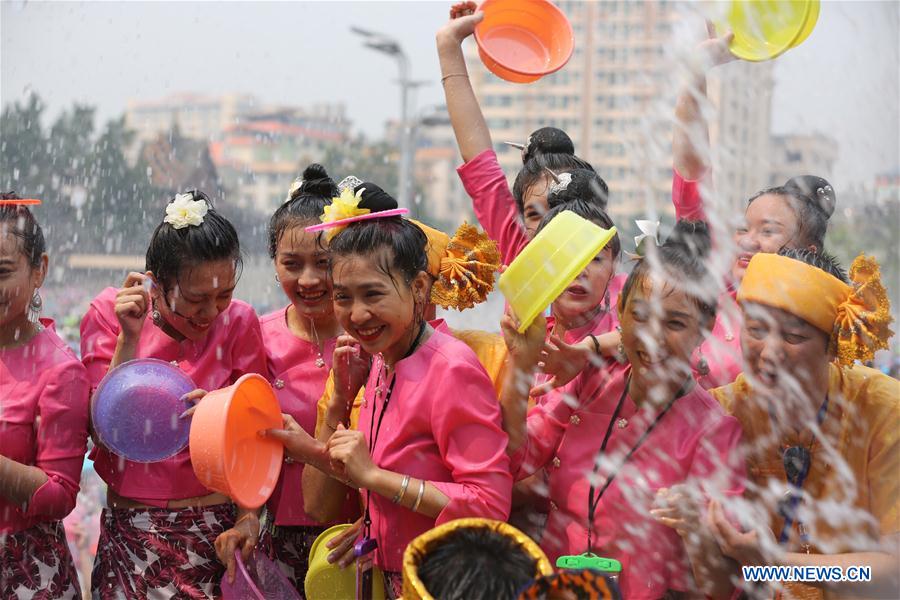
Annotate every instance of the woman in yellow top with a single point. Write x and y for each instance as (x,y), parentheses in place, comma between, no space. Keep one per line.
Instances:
(822,435)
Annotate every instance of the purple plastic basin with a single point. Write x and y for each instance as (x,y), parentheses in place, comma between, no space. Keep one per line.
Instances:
(136,407)
(258,579)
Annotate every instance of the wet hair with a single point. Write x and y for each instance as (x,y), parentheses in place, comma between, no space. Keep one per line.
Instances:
(24,227)
(682,258)
(583,184)
(404,241)
(813,199)
(171,250)
(305,204)
(535,170)
(547,140)
(472,563)
(820,260)
(585,210)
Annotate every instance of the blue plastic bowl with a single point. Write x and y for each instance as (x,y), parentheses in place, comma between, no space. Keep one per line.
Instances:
(135,410)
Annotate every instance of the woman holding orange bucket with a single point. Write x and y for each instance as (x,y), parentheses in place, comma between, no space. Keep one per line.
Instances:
(43,420)
(649,434)
(413,455)
(299,341)
(157,534)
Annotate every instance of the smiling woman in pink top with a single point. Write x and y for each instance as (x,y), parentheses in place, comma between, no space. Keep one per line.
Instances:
(627,445)
(430,447)
(157,536)
(43,422)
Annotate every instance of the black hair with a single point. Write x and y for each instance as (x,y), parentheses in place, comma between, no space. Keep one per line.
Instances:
(172,249)
(585,210)
(813,199)
(535,170)
(820,260)
(473,563)
(583,184)
(404,239)
(547,140)
(683,259)
(25,227)
(305,204)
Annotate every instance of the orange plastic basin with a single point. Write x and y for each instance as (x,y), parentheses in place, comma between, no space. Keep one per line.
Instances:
(227,452)
(523,40)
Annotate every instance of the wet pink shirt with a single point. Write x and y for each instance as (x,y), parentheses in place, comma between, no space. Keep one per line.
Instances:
(443,425)
(695,443)
(44,393)
(495,208)
(298,382)
(723,348)
(232,347)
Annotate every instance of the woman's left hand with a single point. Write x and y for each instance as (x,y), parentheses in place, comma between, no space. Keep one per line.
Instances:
(348,447)
(244,535)
(748,548)
(193,399)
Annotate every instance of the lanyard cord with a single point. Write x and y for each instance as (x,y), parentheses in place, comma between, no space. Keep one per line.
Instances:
(593,502)
(373,439)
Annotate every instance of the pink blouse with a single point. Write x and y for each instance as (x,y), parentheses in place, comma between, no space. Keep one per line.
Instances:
(722,350)
(44,393)
(443,425)
(232,347)
(299,384)
(695,443)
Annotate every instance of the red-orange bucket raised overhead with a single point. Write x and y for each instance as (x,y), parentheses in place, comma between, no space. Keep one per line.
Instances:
(523,40)
(227,452)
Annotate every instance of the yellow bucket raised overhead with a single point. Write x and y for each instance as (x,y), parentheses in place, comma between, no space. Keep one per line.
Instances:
(549,263)
(764,29)
(327,581)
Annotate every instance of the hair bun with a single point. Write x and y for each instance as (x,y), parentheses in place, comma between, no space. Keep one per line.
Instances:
(816,190)
(578,184)
(690,236)
(316,181)
(548,140)
(374,198)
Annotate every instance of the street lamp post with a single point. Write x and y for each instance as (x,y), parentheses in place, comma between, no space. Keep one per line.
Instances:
(391,47)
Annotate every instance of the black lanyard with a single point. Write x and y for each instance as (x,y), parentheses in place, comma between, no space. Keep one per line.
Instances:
(796,478)
(373,439)
(593,503)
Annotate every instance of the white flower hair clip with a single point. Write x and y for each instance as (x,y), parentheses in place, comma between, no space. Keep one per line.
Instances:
(296,185)
(349,182)
(184,211)
(649,231)
(560,182)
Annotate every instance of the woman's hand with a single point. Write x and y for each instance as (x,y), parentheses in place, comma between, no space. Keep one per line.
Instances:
(341,545)
(132,305)
(563,362)
(675,507)
(193,399)
(351,366)
(746,548)
(463,20)
(298,444)
(244,535)
(715,50)
(349,448)
(524,348)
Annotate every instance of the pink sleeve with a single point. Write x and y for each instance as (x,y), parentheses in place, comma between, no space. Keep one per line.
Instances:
(686,198)
(61,441)
(249,354)
(545,425)
(473,446)
(98,343)
(493,203)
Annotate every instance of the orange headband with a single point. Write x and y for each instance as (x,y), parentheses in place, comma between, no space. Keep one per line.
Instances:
(856,317)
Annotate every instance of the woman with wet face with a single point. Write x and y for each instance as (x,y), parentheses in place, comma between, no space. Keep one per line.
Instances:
(157,534)
(624,444)
(426,395)
(793,215)
(820,432)
(299,340)
(43,420)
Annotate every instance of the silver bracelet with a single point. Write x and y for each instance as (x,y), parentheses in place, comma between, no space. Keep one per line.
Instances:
(398,497)
(419,496)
